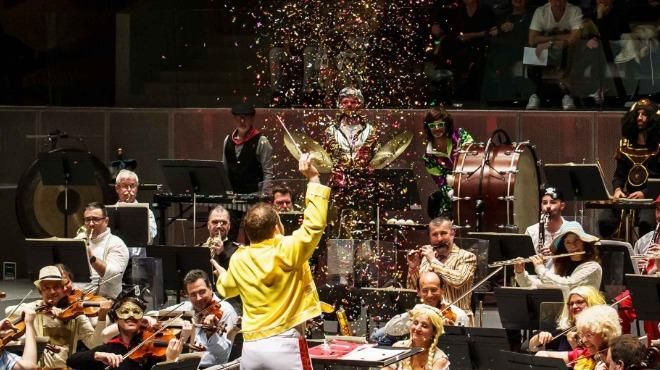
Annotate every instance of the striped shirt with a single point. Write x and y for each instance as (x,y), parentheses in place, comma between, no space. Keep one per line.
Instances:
(8,360)
(457,272)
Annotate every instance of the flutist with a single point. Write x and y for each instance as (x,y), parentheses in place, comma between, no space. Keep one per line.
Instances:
(454,265)
(551,223)
(568,272)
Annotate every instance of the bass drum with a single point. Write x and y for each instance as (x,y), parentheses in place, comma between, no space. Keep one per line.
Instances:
(499,181)
(40,208)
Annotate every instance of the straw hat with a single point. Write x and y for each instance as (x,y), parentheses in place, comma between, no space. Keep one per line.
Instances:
(586,238)
(49,273)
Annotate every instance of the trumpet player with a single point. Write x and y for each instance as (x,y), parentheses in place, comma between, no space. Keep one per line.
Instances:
(126,187)
(570,271)
(221,248)
(107,254)
(551,222)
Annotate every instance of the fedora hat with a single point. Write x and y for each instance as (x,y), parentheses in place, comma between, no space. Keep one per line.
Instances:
(49,273)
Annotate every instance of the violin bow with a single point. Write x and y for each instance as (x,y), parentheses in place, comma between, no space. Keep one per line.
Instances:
(19,303)
(473,288)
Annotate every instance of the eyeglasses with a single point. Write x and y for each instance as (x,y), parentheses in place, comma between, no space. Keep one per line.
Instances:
(435,125)
(93,219)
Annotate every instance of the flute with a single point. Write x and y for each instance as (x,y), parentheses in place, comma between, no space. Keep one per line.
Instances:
(529,259)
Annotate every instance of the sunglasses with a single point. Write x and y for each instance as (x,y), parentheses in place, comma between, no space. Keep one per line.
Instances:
(435,125)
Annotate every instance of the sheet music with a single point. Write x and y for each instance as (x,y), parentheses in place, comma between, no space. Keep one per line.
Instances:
(373,353)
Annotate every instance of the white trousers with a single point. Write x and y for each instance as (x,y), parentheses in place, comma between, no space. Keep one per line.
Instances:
(286,351)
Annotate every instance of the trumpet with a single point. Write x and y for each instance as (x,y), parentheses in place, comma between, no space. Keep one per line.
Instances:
(210,242)
(529,259)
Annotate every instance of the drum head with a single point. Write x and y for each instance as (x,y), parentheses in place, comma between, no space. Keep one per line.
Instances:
(526,191)
(40,208)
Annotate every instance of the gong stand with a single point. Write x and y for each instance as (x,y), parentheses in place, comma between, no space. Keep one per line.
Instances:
(59,168)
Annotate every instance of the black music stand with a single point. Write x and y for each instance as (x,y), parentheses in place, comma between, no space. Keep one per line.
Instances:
(180,259)
(616,262)
(455,343)
(645,294)
(182,363)
(50,251)
(506,246)
(578,182)
(196,177)
(130,222)
(512,301)
(473,348)
(62,168)
(383,303)
(521,361)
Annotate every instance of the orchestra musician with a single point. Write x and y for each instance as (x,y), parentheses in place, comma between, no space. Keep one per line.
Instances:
(430,291)
(636,160)
(425,330)
(552,206)
(107,254)
(127,312)
(626,352)
(455,266)
(282,199)
(127,185)
(207,332)
(274,280)
(563,338)
(218,225)
(64,336)
(28,361)
(596,325)
(567,272)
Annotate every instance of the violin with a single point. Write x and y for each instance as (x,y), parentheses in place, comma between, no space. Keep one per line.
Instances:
(448,315)
(154,342)
(19,328)
(212,309)
(80,303)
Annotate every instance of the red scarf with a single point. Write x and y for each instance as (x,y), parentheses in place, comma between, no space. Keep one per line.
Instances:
(252,132)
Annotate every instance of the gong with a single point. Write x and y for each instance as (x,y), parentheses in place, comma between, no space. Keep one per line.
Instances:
(40,208)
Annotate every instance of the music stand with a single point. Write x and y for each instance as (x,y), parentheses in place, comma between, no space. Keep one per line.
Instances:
(62,168)
(50,251)
(455,344)
(616,262)
(644,291)
(506,246)
(485,346)
(383,303)
(180,259)
(521,361)
(130,222)
(196,177)
(184,362)
(512,301)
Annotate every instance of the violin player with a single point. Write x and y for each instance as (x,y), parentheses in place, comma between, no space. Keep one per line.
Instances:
(455,266)
(431,289)
(127,312)
(28,361)
(64,336)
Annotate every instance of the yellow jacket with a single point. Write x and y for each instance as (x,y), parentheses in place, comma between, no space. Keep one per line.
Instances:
(273,277)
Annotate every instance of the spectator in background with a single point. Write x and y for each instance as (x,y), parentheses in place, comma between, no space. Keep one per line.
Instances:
(440,63)
(555,27)
(473,32)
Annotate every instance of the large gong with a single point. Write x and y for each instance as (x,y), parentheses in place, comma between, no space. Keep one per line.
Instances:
(40,208)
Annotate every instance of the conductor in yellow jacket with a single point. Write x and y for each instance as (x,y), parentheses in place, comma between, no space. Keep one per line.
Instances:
(274,281)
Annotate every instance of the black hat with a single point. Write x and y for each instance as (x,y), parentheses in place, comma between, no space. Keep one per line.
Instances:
(243,109)
(553,193)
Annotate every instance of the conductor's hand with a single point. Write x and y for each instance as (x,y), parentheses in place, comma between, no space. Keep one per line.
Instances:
(306,167)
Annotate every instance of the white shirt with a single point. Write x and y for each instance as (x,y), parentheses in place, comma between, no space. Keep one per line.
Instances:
(218,346)
(642,244)
(587,273)
(533,232)
(111,250)
(543,21)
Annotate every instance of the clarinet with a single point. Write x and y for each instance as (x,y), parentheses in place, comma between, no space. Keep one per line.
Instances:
(654,240)
(542,221)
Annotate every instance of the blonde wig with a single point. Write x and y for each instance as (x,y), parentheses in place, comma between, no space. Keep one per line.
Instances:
(436,318)
(590,294)
(601,319)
